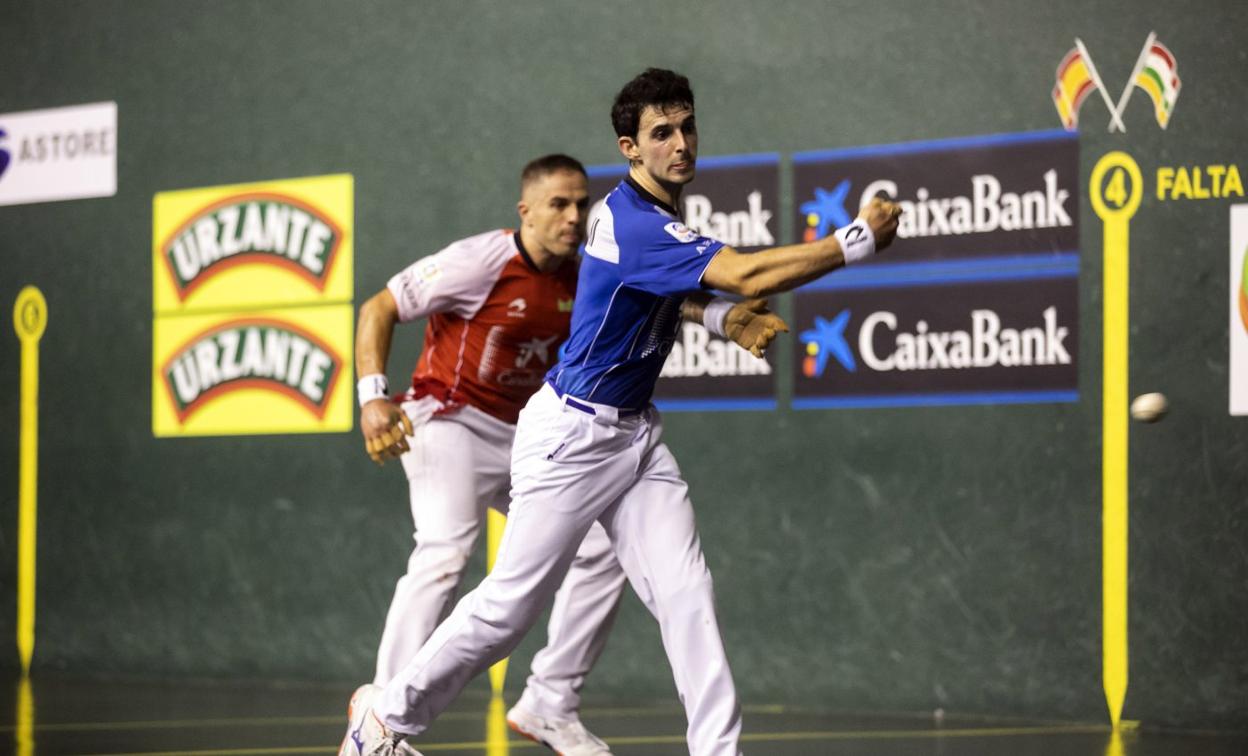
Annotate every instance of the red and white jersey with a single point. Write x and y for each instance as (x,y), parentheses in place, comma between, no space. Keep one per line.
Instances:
(495,322)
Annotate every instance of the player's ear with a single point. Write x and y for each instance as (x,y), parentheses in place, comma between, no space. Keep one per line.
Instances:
(629,149)
(522,209)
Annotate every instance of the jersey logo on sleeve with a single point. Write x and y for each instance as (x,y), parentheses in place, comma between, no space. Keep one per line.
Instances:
(681,232)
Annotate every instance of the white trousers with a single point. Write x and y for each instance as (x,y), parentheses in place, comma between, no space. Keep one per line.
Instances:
(457,466)
(571,469)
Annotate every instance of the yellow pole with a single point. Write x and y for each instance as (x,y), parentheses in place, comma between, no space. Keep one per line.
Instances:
(1116,188)
(494,525)
(30,318)
(497,742)
(24,732)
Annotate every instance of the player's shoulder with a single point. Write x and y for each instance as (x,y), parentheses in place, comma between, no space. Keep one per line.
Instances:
(482,252)
(499,242)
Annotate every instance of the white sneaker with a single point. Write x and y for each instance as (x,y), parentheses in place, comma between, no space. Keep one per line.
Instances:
(566,737)
(366,735)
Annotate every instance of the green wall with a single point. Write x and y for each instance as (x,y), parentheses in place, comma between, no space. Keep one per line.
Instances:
(888,558)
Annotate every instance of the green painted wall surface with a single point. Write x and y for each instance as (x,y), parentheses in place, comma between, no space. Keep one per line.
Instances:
(898,558)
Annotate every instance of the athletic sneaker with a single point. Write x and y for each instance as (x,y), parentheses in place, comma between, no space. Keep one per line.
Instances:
(366,735)
(566,737)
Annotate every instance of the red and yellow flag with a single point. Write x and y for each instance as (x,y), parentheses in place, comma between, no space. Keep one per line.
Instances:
(1074,84)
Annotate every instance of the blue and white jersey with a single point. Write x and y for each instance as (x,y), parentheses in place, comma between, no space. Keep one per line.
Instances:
(639,262)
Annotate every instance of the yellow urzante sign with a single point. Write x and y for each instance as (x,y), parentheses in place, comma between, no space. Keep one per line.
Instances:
(251,372)
(253,245)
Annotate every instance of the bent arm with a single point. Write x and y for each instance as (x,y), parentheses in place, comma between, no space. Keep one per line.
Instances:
(384,427)
(373,332)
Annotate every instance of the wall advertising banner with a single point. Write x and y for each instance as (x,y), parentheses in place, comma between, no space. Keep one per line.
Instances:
(989,196)
(977,300)
(58,154)
(734,199)
(253,245)
(1239,309)
(252,287)
(968,341)
(249,372)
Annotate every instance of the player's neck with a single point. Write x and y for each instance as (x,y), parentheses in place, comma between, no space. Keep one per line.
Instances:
(541,258)
(669,194)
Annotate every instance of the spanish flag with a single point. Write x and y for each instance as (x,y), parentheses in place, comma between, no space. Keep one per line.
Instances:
(1158,76)
(1074,84)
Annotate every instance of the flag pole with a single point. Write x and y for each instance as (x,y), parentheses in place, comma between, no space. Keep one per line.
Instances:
(1139,64)
(1115,120)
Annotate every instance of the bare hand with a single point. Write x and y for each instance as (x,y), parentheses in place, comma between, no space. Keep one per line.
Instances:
(385,428)
(752,326)
(881,215)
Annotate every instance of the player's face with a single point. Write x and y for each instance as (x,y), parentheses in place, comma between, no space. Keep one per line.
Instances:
(667,144)
(554,208)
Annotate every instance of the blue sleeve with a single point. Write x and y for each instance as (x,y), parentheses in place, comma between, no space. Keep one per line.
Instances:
(665,257)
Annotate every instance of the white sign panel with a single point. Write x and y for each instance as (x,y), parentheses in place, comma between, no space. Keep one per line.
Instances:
(58,154)
(1239,309)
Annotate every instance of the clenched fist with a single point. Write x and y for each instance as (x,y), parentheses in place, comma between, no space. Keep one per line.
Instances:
(881,215)
(385,428)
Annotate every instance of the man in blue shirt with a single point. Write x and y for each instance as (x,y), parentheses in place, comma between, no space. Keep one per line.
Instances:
(588,444)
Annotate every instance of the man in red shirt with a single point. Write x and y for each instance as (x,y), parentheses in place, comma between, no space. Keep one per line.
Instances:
(497,305)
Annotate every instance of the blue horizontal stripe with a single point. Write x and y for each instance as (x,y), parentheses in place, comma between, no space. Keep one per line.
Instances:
(602,171)
(1008,268)
(715,405)
(934,145)
(735,161)
(710,163)
(933,400)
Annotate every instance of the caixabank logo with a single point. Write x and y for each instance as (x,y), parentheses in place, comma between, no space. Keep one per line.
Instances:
(1000,194)
(253,245)
(985,342)
(279,371)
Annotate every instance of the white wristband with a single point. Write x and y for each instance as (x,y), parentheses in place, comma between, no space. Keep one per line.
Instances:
(714,315)
(857,241)
(372,387)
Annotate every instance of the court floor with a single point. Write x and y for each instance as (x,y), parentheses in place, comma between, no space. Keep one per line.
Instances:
(58,716)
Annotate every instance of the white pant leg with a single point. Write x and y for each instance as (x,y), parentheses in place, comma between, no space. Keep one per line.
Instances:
(456,463)
(580,621)
(566,469)
(656,539)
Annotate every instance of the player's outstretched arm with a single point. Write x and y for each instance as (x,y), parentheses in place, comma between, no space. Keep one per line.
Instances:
(772,271)
(384,425)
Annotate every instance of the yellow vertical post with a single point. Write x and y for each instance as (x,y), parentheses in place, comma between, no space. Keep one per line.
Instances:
(30,318)
(496,740)
(24,731)
(1116,189)
(494,525)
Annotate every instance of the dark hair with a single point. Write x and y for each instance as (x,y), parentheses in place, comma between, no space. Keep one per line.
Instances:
(548,164)
(654,86)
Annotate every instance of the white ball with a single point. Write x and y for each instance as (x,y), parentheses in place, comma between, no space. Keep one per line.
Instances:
(1149,408)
